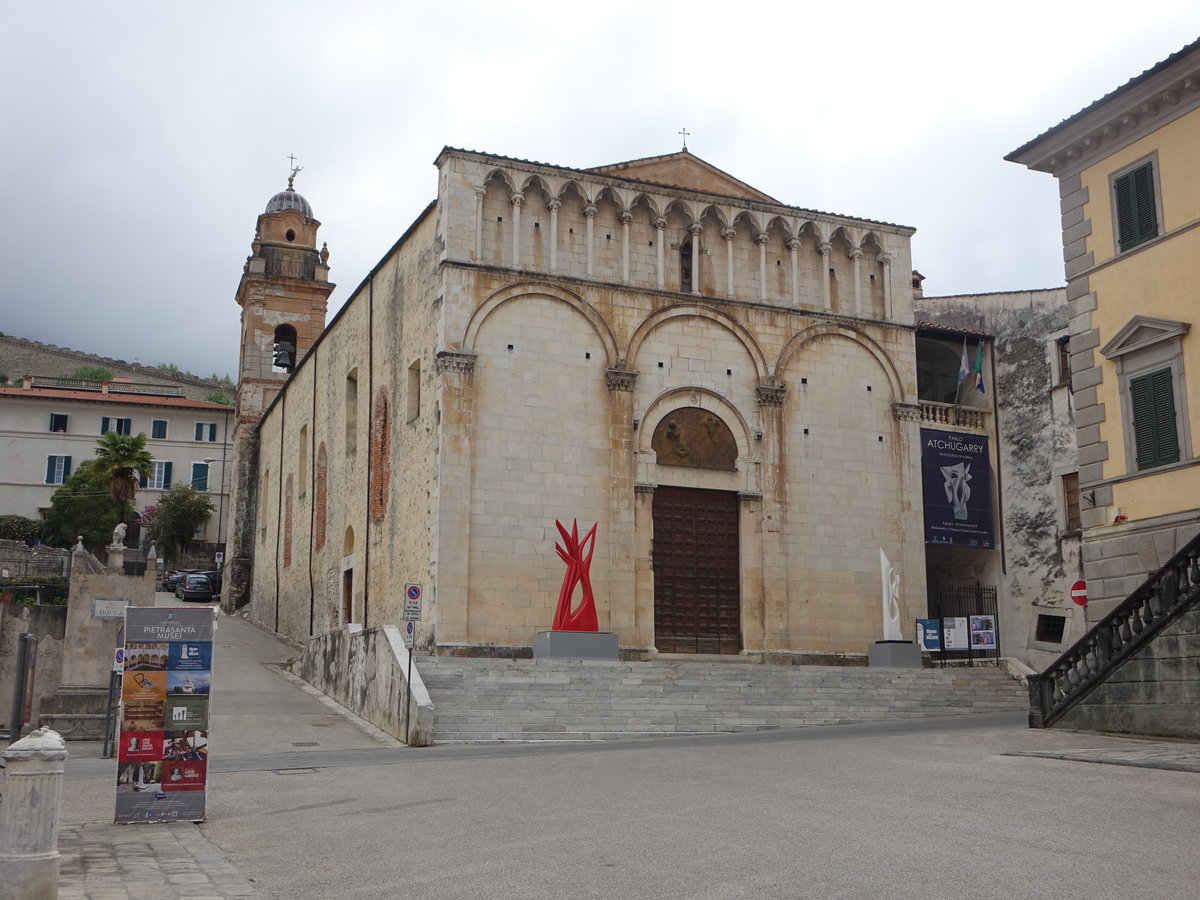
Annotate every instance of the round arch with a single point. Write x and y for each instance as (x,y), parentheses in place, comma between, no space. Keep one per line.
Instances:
(530,289)
(842,332)
(704,398)
(661,316)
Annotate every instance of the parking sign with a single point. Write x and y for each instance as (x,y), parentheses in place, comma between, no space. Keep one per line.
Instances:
(412,603)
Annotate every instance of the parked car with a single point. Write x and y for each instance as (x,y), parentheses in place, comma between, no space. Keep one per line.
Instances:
(214,576)
(171,579)
(194,587)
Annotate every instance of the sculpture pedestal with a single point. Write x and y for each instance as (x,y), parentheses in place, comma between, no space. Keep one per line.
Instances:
(575,645)
(894,655)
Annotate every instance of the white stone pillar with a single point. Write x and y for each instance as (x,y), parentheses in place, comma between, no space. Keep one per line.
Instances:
(517,199)
(855,255)
(554,205)
(694,230)
(793,246)
(626,218)
(660,225)
(729,234)
(761,239)
(590,212)
(29,816)
(480,191)
(824,249)
(885,259)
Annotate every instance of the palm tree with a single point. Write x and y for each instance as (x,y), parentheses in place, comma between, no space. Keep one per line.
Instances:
(122,460)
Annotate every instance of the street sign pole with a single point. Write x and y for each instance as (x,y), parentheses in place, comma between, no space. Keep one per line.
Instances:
(412,613)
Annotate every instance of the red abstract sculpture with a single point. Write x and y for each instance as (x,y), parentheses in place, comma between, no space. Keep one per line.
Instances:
(583,617)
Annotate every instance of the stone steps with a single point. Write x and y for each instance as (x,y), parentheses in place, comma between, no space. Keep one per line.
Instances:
(479,700)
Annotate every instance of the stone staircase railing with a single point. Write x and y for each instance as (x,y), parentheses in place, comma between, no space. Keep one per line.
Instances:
(1158,602)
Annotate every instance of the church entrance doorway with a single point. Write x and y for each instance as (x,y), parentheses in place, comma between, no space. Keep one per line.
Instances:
(697,598)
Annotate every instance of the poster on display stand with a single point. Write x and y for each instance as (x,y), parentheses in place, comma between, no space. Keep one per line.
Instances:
(956,633)
(166,687)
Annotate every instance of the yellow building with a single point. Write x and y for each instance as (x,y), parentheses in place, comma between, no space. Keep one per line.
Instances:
(1130,189)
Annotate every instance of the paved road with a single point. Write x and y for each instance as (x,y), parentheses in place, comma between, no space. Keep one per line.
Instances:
(303,803)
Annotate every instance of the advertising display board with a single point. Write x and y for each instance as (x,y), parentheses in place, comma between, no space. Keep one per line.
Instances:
(929,635)
(166,686)
(957,487)
(955,630)
(983,632)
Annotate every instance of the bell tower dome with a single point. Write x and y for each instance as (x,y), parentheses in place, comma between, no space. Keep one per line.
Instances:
(284,295)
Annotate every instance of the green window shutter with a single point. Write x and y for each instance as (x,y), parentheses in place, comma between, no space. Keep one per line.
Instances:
(158,429)
(145,482)
(166,475)
(199,431)
(1137,214)
(66,467)
(104,429)
(50,469)
(1154,431)
(200,476)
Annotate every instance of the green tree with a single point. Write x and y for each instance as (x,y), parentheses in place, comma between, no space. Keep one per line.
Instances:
(174,520)
(82,507)
(122,459)
(92,373)
(218,396)
(19,528)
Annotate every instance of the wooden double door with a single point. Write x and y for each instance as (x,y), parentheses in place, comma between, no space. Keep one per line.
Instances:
(697,597)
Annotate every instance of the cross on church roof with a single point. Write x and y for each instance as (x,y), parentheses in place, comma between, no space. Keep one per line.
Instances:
(684,132)
(296,170)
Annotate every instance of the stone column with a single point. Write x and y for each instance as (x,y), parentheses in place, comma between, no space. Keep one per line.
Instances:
(824,249)
(589,212)
(793,246)
(29,816)
(761,239)
(450,597)
(729,234)
(554,205)
(694,230)
(660,225)
(855,255)
(626,218)
(885,259)
(480,191)
(622,604)
(517,199)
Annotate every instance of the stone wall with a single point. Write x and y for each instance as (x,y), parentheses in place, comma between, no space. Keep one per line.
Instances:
(47,624)
(1155,692)
(20,560)
(366,672)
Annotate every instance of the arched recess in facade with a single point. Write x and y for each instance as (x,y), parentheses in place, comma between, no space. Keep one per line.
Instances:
(535,289)
(824,329)
(660,316)
(704,398)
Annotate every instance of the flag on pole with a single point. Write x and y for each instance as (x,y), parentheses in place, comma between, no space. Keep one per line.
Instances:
(978,369)
(964,368)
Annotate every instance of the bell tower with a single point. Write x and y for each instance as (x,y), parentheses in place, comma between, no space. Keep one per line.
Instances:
(284,295)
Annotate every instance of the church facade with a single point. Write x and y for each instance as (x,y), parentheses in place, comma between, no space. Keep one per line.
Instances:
(726,385)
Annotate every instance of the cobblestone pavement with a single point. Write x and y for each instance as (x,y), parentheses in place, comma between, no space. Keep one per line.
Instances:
(170,861)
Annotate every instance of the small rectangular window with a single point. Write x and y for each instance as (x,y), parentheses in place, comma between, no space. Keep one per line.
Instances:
(1050,629)
(158,429)
(206,431)
(1155,434)
(1137,214)
(1064,360)
(160,476)
(1070,488)
(58,422)
(58,468)
(119,425)
(200,476)
(414,390)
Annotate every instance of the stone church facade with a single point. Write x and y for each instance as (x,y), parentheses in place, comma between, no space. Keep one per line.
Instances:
(724,383)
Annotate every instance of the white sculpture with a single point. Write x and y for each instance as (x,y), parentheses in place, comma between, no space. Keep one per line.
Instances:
(118,539)
(891,599)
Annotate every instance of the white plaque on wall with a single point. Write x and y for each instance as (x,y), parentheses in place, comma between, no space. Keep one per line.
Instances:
(109,607)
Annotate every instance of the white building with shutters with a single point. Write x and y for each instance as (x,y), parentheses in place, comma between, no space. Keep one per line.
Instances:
(48,426)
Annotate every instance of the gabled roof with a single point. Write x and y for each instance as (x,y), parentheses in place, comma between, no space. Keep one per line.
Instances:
(116,399)
(685,170)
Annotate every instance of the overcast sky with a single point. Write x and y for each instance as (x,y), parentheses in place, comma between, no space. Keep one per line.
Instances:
(142,140)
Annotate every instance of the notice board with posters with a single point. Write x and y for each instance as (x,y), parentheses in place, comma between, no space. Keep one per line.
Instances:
(957,486)
(166,687)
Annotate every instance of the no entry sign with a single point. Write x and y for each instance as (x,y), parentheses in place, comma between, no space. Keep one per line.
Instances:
(1079,592)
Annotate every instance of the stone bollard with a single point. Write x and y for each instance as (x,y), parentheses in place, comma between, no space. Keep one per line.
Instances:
(29,816)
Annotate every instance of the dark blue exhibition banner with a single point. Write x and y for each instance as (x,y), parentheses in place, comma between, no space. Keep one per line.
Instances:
(957,484)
